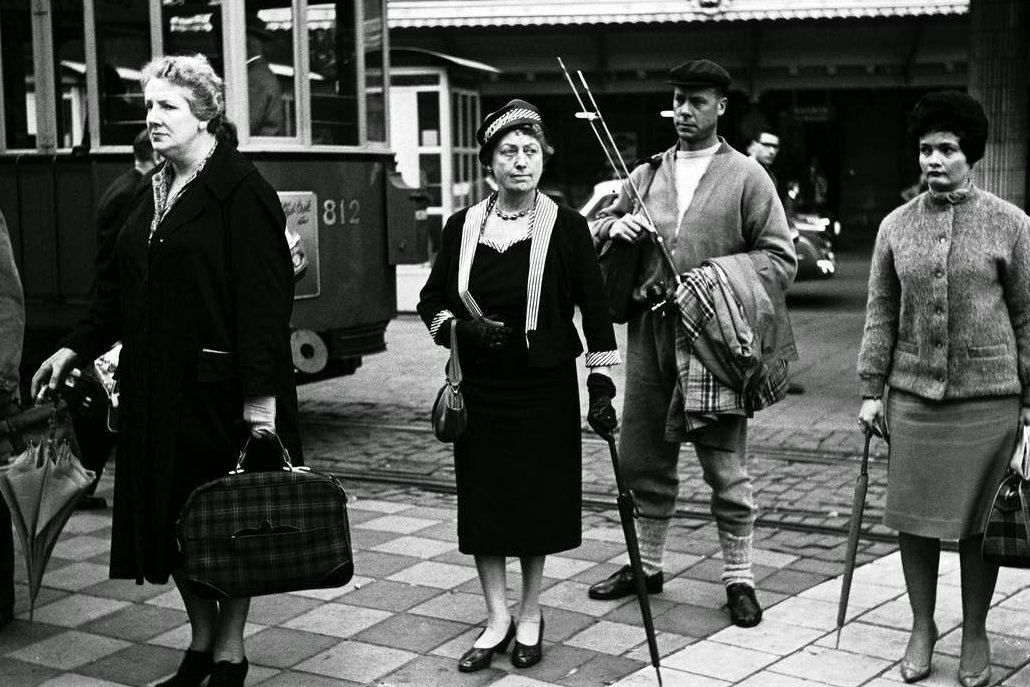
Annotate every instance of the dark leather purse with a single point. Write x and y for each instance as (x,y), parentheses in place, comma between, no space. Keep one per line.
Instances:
(253,533)
(1007,530)
(450,416)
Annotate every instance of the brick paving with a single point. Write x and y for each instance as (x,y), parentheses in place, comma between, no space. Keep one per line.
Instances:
(415,606)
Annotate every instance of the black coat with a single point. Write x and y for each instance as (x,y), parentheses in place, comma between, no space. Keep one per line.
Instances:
(113,208)
(203,313)
(571,278)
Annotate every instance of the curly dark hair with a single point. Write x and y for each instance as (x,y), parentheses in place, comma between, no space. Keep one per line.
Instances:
(956,113)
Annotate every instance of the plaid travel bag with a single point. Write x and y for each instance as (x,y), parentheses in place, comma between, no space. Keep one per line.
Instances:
(1007,531)
(254,533)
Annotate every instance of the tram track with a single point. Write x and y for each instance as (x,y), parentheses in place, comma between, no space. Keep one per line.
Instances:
(598,500)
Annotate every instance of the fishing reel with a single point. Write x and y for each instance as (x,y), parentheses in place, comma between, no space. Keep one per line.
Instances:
(659,298)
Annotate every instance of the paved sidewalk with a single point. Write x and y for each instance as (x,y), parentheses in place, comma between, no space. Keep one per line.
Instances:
(415,607)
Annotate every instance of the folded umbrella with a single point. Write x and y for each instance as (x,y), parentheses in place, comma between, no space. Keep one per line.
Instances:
(627,514)
(857,512)
(41,487)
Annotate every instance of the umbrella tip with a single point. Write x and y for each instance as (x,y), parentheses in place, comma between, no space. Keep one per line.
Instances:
(658,672)
(837,644)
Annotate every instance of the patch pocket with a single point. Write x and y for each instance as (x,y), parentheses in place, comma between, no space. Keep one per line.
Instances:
(215,366)
(906,347)
(995,351)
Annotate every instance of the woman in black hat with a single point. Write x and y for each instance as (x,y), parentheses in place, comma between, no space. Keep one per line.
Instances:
(510,271)
(948,331)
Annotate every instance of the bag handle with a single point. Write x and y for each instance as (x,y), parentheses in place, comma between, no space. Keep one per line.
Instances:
(454,366)
(287,463)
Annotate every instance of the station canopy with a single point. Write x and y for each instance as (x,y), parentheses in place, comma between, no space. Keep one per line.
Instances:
(410,14)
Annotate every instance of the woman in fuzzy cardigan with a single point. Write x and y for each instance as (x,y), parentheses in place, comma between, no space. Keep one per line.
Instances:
(948,332)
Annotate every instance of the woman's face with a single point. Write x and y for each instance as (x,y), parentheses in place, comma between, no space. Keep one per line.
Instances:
(942,160)
(518,162)
(172,124)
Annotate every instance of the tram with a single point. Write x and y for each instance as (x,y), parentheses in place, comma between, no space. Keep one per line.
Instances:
(307,88)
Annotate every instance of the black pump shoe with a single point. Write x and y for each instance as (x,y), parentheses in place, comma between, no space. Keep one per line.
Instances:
(524,656)
(194,669)
(228,674)
(479,658)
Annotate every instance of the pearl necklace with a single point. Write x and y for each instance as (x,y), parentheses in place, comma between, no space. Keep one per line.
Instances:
(514,216)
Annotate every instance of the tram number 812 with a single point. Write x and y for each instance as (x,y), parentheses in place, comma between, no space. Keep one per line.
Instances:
(341,212)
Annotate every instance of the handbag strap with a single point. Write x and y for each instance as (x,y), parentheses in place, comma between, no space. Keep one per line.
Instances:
(454,366)
(287,462)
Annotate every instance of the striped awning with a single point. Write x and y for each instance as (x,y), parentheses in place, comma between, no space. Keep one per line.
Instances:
(406,14)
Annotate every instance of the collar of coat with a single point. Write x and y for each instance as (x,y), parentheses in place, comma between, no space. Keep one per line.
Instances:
(223,172)
(546,214)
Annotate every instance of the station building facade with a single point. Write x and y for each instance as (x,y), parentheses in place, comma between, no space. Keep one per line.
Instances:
(836,79)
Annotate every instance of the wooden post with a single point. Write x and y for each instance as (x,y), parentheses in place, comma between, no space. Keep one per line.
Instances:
(998,75)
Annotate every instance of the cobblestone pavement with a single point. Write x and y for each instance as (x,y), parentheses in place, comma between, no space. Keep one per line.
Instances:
(415,607)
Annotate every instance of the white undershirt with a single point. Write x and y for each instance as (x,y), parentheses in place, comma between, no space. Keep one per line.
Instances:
(690,167)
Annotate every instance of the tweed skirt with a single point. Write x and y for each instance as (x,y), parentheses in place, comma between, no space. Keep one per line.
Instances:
(946,461)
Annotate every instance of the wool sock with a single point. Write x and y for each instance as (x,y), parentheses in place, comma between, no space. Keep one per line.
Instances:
(651,536)
(736,554)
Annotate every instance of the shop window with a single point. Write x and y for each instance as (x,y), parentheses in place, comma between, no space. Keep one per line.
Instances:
(193,26)
(123,46)
(375,96)
(70,63)
(334,78)
(19,75)
(271,79)
(429,118)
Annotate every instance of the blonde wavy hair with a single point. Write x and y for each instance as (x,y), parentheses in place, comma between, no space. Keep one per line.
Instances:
(205,89)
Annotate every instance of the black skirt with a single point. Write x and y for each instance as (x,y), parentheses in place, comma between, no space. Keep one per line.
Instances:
(518,465)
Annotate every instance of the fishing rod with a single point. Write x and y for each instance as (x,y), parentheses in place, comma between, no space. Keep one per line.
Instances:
(611,151)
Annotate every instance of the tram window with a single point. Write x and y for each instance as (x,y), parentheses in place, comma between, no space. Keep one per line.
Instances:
(70,62)
(270,68)
(375,101)
(19,75)
(193,26)
(429,118)
(123,46)
(334,78)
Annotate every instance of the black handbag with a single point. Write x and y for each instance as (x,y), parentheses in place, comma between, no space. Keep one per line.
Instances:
(253,533)
(450,416)
(1007,530)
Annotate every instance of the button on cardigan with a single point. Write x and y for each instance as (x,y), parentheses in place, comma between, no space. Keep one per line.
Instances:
(948,314)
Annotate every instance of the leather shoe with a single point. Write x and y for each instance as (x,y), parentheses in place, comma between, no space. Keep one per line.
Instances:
(743,605)
(228,674)
(524,656)
(622,583)
(194,669)
(479,658)
(980,679)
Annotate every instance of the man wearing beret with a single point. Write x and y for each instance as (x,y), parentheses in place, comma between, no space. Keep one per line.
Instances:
(708,201)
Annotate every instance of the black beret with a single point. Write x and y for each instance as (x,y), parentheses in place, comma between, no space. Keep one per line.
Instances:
(497,123)
(699,72)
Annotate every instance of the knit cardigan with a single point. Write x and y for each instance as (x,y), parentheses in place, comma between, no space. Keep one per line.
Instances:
(948,314)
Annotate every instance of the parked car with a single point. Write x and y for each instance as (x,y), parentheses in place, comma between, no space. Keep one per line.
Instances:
(813,235)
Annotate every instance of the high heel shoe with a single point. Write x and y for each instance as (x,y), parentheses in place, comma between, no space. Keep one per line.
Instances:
(229,674)
(479,658)
(981,679)
(194,669)
(524,656)
(910,672)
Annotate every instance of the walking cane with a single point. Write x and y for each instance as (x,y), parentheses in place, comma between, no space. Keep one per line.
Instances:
(611,151)
(627,515)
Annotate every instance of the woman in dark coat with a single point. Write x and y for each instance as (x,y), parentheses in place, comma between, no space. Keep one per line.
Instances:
(200,294)
(528,263)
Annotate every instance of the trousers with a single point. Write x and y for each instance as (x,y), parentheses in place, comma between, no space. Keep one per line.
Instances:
(650,461)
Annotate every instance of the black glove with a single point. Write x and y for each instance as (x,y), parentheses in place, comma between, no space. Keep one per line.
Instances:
(486,334)
(601,414)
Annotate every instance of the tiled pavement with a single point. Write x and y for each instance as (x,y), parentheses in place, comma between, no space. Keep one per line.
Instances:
(415,607)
